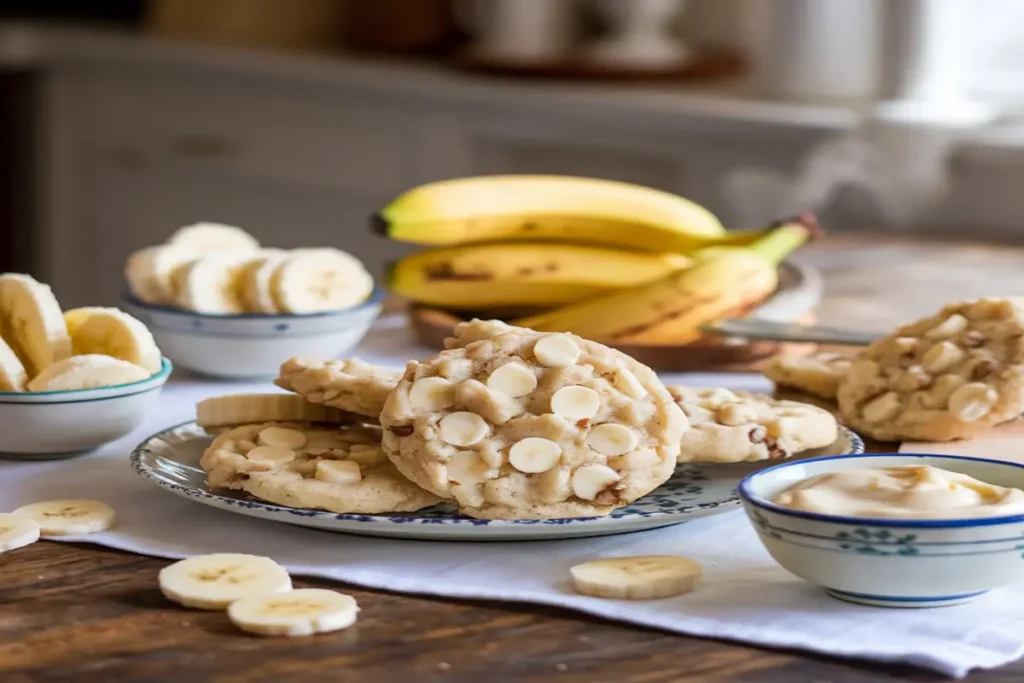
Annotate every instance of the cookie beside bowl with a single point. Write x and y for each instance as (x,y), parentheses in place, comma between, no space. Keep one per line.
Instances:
(887,562)
(252,345)
(61,424)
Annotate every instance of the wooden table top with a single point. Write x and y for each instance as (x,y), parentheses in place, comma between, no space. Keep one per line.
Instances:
(80,613)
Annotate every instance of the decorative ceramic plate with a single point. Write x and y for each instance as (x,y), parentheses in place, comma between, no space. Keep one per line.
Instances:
(171,460)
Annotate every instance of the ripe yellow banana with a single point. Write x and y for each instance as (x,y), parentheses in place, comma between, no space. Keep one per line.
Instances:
(550,208)
(723,281)
(523,274)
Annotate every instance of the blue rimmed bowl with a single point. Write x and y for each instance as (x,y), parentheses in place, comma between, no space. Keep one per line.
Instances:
(61,424)
(889,562)
(252,346)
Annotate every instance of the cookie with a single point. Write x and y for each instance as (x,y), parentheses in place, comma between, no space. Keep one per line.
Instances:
(474,330)
(949,376)
(738,426)
(818,373)
(297,465)
(530,425)
(350,385)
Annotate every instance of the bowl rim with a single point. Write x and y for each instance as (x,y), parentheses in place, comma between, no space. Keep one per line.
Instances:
(376,298)
(748,496)
(77,395)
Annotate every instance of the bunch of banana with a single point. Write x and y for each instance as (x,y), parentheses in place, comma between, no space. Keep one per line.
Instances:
(576,249)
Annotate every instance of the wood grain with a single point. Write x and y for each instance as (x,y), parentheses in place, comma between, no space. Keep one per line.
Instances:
(79,613)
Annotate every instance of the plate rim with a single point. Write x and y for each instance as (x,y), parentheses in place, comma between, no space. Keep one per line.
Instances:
(145,447)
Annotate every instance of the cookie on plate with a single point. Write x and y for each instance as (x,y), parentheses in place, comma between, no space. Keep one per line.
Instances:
(350,385)
(532,425)
(220,413)
(297,465)
(818,374)
(469,331)
(949,376)
(739,426)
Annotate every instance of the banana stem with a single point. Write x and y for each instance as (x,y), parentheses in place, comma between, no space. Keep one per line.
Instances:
(787,237)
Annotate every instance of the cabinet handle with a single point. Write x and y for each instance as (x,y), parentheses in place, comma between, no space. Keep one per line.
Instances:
(206,147)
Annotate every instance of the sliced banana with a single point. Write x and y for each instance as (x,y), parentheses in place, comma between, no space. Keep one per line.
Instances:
(71,517)
(32,323)
(211,283)
(17,531)
(112,332)
(241,409)
(257,281)
(12,371)
(206,236)
(315,280)
(215,581)
(636,578)
(301,612)
(87,372)
(150,271)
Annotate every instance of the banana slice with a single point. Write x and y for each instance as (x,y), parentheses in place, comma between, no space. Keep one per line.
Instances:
(636,578)
(257,281)
(31,322)
(214,237)
(241,409)
(211,283)
(17,531)
(215,581)
(314,280)
(301,612)
(12,371)
(150,271)
(112,332)
(72,517)
(87,372)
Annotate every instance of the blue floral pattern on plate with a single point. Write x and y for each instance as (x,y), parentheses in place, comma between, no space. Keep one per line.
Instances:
(171,460)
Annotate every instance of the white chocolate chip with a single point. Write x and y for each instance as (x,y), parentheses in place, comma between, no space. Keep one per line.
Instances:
(271,454)
(534,454)
(972,401)
(626,382)
(882,408)
(462,428)
(575,403)
(588,481)
(954,324)
(285,438)
(643,459)
(865,368)
(612,439)
(905,345)
(716,397)
(912,379)
(466,467)
(338,471)
(944,386)
(942,357)
(512,379)
(733,414)
(432,394)
(556,351)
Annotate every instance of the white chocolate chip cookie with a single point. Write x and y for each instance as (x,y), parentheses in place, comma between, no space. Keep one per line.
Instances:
(531,425)
(945,377)
(300,466)
(351,384)
(738,426)
(818,373)
(469,331)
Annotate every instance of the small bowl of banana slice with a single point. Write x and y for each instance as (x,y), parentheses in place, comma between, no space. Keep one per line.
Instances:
(70,381)
(221,305)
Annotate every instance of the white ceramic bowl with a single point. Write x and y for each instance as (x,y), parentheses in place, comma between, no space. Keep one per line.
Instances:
(252,346)
(60,424)
(889,562)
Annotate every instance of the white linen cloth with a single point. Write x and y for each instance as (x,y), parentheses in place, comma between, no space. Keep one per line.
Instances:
(744,596)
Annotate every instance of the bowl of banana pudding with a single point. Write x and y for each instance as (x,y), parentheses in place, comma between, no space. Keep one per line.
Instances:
(223,306)
(893,529)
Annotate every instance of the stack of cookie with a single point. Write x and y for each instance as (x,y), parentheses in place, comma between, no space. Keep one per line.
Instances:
(506,423)
(952,375)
